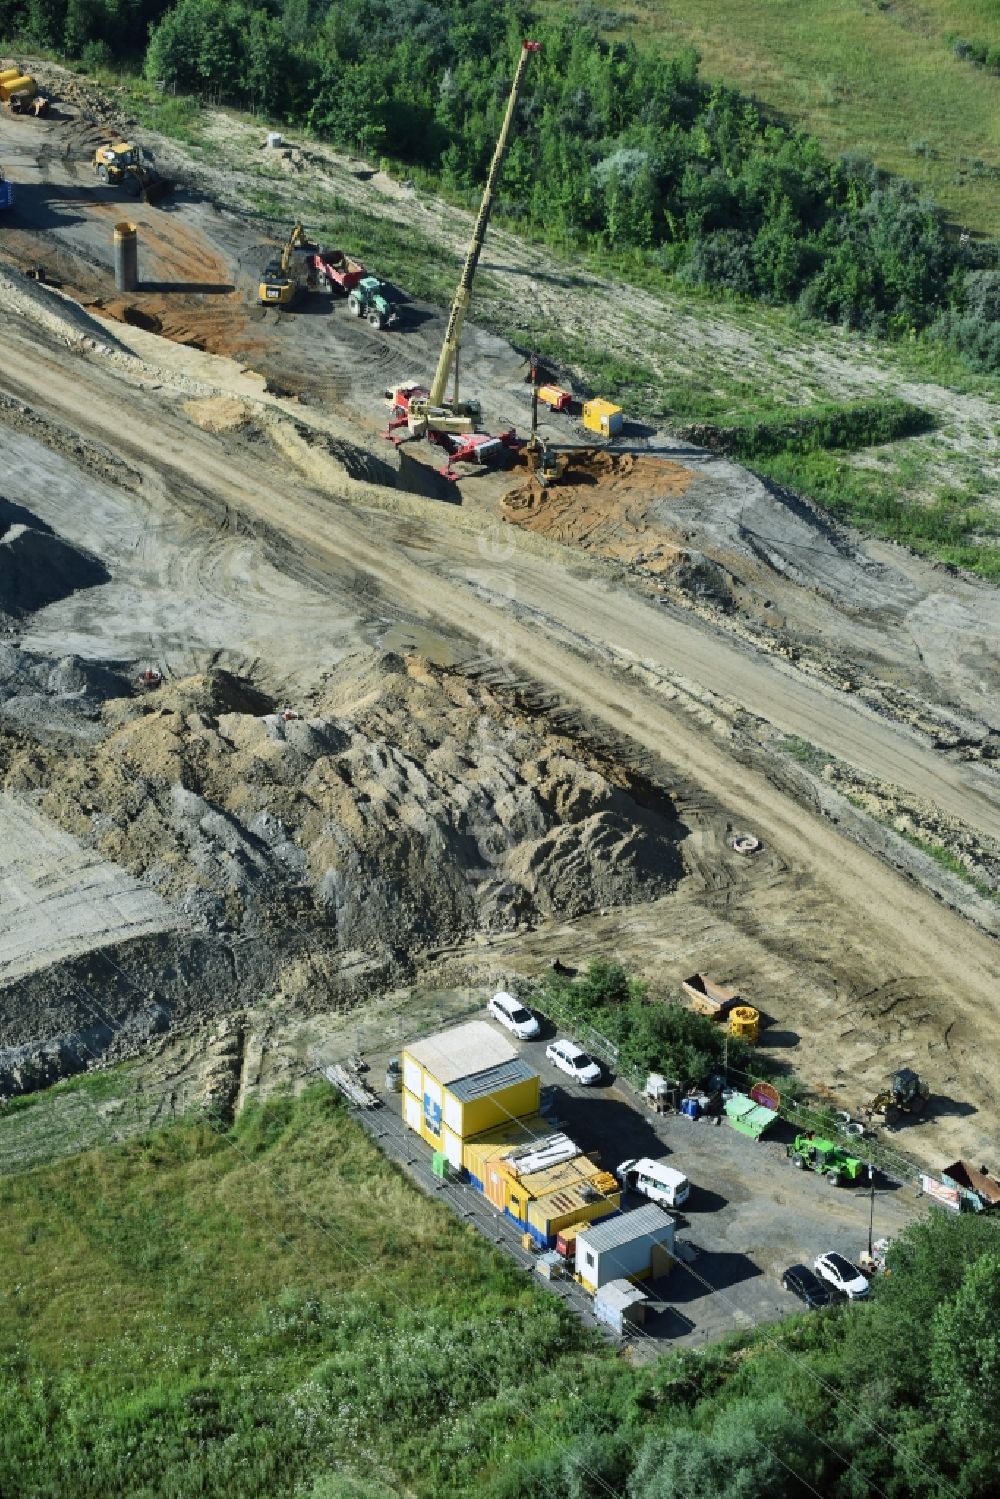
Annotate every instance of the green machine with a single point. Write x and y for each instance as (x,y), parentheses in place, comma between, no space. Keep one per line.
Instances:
(811,1154)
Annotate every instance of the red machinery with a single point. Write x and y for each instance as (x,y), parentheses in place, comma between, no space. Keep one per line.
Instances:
(338,270)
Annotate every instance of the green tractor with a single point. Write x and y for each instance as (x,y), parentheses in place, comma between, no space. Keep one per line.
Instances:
(370,299)
(830,1160)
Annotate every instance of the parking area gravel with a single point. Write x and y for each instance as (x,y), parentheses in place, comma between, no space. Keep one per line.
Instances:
(748,1218)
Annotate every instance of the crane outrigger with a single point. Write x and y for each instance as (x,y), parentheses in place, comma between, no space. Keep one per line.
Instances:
(426,413)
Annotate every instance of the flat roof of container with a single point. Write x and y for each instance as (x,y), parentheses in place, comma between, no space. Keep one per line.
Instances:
(619,1295)
(512,1133)
(491,1080)
(757,1115)
(627,1227)
(465,1049)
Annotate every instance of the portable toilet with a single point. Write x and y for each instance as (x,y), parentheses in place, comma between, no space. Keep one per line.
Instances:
(603,417)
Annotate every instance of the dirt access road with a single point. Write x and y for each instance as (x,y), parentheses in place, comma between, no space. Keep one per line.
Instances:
(558,622)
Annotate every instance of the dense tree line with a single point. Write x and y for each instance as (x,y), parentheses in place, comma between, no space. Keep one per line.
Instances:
(616,147)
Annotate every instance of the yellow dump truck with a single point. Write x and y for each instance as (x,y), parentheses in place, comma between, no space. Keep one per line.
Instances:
(13,81)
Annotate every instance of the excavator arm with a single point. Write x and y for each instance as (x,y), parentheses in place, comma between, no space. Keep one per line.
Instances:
(296,238)
(460,305)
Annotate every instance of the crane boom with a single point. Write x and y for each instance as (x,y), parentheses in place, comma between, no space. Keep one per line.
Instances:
(463,295)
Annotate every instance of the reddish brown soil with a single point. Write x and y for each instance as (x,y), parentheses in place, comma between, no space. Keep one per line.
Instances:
(605,502)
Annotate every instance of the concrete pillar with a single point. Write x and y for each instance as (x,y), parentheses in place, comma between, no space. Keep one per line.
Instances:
(126,257)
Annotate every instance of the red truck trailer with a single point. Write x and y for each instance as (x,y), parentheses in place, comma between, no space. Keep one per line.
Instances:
(339,271)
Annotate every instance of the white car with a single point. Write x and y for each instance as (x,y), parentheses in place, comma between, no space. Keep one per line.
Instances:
(574,1060)
(842,1275)
(511,1013)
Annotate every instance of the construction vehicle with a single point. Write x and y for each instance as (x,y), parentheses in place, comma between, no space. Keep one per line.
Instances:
(555,398)
(27,103)
(907,1093)
(124,164)
(426,413)
(285,275)
(825,1157)
(544,465)
(370,299)
(13,81)
(339,271)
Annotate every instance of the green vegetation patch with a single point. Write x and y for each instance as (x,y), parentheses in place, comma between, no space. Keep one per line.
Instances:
(617,146)
(648,1034)
(850,426)
(888,76)
(204,1313)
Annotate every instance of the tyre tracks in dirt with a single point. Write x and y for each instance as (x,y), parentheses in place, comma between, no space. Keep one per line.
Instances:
(594,628)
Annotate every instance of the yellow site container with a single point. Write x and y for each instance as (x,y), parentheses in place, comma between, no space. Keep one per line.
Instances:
(24,84)
(522,1096)
(459,1083)
(483,1157)
(584,1202)
(602,416)
(744,1022)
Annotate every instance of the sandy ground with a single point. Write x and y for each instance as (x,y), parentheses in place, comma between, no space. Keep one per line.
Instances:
(279,542)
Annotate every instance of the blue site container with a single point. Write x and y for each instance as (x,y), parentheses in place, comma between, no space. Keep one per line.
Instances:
(691,1107)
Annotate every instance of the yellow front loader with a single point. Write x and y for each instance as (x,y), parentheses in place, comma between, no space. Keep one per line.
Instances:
(122,165)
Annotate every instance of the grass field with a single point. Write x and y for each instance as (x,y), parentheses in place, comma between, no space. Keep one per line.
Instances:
(193,1312)
(878,76)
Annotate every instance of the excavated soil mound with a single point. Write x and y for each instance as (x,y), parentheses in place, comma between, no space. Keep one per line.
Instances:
(36,567)
(603,502)
(219,413)
(406,808)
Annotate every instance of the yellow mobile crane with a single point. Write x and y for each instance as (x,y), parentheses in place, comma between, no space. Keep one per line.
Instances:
(426,413)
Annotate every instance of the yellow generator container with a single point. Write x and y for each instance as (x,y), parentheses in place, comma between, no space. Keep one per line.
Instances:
(23,84)
(744,1023)
(602,416)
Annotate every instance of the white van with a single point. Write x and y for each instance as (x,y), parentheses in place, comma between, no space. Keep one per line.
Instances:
(652,1179)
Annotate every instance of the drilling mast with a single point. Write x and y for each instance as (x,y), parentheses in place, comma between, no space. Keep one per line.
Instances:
(430,412)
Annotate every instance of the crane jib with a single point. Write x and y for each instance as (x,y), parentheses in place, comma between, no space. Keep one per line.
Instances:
(460,304)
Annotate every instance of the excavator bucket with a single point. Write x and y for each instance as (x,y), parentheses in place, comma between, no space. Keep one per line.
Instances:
(157,188)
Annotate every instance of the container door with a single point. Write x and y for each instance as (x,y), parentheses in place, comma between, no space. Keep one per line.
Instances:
(493,1184)
(411,1111)
(452,1148)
